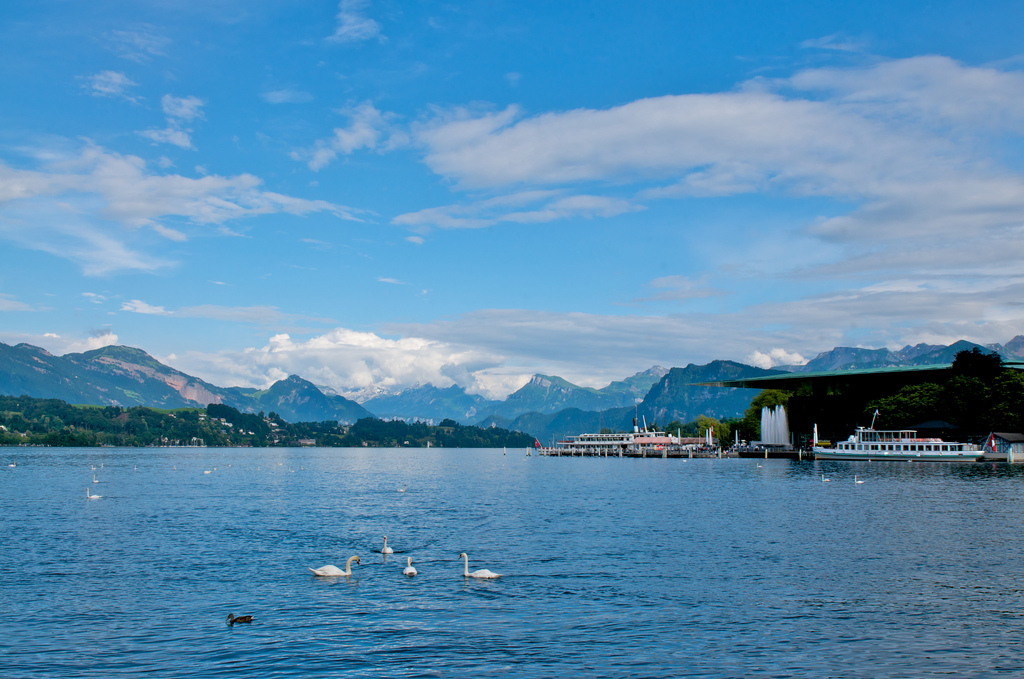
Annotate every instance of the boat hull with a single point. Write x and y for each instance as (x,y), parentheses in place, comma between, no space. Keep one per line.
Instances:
(883,456)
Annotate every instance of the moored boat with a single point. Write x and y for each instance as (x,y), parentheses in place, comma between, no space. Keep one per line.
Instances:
(904,444)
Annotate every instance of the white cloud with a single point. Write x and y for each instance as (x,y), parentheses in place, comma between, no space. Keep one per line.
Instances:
(139,45)
(345,360)
(170,234)
(182,108)
(102,339)
(910,151)
(774,357)
(544,206)
(368,129)
(169,135)
(256,315)
(287,96)
(678,288)
(70,207)
(179,110)
(140,307)
(353,26)
(392,281)
(8,303)
(834,42)
(111,84)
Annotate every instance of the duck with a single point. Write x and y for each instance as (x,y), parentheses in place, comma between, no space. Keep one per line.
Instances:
(409,570)
(89,496)
(483,573)
(232,618)
(386,550)
(331,570)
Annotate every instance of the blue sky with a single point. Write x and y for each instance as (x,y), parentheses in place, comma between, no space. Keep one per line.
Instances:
(380,194)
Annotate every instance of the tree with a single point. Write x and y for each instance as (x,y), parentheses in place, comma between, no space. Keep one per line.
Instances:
(977,363)
(722,431)
(912,404)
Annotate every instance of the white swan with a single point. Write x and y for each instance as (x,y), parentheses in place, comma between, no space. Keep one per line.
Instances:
(331,570)
(91,497)
(856,480)
(13,464)
(482,573)
(409,570)
(386,550)
(824,480)
(94,479)
(402,489)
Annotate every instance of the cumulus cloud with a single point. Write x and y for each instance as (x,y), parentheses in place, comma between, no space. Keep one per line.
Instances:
(774,357)
(72,206)
(353,25)
(345,360)
(100,339)
(179,110)
(368,129)
(169,135)
(110,84)
(182,108)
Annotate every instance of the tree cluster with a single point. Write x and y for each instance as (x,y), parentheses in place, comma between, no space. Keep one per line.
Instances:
(979,397)
(51,422)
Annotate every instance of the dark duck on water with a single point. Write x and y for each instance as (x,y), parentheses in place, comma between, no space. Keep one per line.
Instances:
(232,619)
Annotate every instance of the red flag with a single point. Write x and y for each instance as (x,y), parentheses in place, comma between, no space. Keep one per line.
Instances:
(536,443)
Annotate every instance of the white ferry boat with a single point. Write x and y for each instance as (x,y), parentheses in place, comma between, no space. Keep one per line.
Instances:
(637,443)
(904,444)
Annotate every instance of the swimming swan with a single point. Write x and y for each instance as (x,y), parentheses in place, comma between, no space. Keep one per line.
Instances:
(91,497)
(386,550)
(482,573)
(331,570)
(824,480)
(409,570)
(232,618)
(856,480)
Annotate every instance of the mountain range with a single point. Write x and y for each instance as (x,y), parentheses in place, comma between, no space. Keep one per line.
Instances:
(855,358)
(126,376)
(546,405)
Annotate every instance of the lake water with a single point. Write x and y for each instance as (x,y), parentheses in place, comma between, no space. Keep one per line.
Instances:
(612,567)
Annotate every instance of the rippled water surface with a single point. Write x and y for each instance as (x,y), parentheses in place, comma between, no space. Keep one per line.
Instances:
(612,567)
